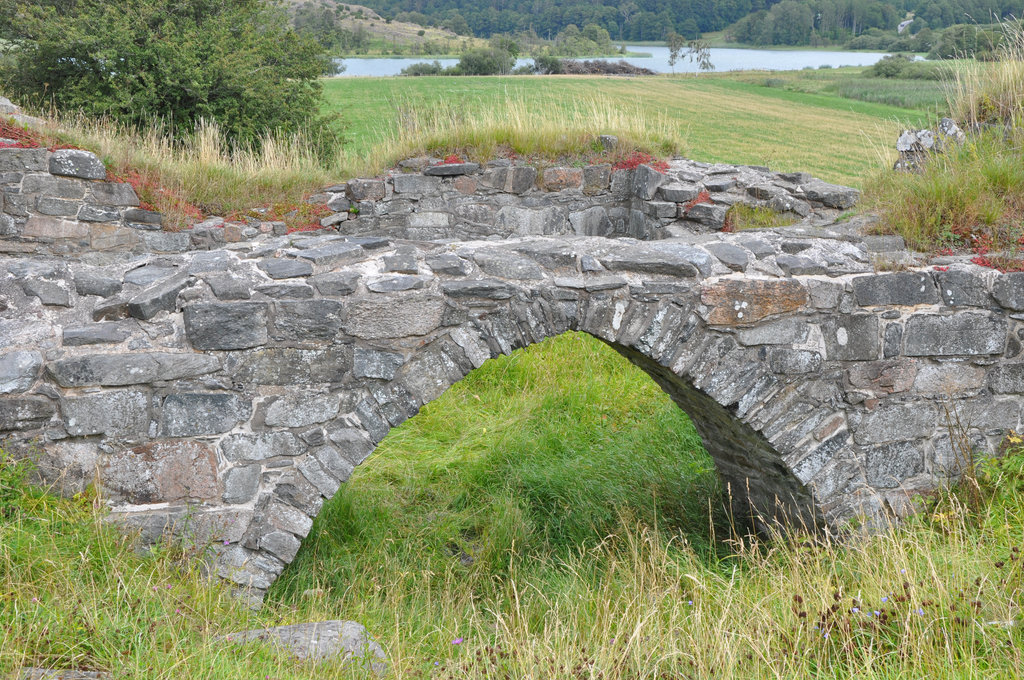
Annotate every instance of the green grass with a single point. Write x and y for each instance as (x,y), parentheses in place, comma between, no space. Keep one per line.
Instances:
(717,118)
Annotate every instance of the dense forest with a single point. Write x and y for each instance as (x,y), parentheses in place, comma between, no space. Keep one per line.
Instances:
(790,22)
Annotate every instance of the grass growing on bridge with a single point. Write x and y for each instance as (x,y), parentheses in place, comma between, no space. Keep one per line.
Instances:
(587,561)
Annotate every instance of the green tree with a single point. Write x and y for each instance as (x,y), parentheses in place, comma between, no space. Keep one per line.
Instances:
(237,62)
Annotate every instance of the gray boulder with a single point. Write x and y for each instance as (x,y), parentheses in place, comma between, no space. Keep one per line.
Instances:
(321,641)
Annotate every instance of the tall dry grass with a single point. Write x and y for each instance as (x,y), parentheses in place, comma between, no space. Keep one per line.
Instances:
(990,92)
(553,128)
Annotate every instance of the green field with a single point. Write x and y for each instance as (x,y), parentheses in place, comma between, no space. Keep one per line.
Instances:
(726,118)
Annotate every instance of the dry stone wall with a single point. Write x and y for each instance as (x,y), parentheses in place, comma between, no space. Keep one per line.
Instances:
(228,391)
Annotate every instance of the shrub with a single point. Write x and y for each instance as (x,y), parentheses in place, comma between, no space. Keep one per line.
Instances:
(236,62)
(548,65)
(423,69)
(890,66)
(485,61)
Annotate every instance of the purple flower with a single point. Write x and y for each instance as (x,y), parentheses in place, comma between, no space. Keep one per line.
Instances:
(457,641)
(856,610)
(920,612)
(903,571)
(885,599)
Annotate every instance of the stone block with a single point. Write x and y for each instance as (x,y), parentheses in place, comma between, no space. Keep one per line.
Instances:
(678,192)
(307,320)
(883,377)
(1007,378)
(596,178)
(94,334)
(491,289)
(286,291)
(115,413)
(371,363)
(99,213)
(365,189)
(112,194)
(24,160)
(646,181)
(143,218)
(395,283)
(508,265)
(895,422)
(197,414)
(719,184)
(334,254)
(233,325)
(55,292)
(1009,290)
(888,465)
(793,361)
(900,288)
(397,316)
(798,265)
(160,297)
(742,302)
(963,289)
(964,334)
(403,260)
(241,484)
(228,287)
(281,544)
(162,472)
(288,366)
(515,179)
(428,220)
(852,337)
(53,228)
(708,214)
(25,413)
(163,241)
(57,207)
(416,184)
(333,284)
(302,409)
(130,369)
(316,475)
(781,332)
(731,256)
(451,169)
(19,370)
(256,448)
(111,237)
(830,195)
(77,163)
(561,179)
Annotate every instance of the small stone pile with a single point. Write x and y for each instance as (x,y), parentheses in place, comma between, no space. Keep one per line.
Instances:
(917,146)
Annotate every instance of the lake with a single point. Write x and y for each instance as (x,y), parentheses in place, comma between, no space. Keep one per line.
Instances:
(724,59)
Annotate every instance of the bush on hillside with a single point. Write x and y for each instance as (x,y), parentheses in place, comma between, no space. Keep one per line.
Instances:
(237,62)
(485,61)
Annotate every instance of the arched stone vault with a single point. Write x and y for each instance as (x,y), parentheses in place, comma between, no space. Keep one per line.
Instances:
(236,389)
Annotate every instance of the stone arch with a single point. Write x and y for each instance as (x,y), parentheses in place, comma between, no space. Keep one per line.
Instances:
(232,390)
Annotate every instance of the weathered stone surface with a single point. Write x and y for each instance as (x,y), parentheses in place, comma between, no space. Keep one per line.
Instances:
(120,413)
(23,160)
(416,184)
(162,472)
(731,256)
(227,287)
(678,192)
(95,334)
(508,265)
(797,265)
(741,302)
(516,179)
(334,284)
(132,369)
(883,377)
(25,413)
(889,464)
(248,448)
(236,325)
(197,414)
(241,484)
(793,361)
(964,334)
(19,370)
(62,674)
(49,291)
(321,641)
(365,189)
(161,297)
(895,422)
(1006,379)
(1009,290)
(901,288)
(852,337)
(831,195)
(77,163)
(333,254)
(708,214)
(962,288)
(451,169)
(286,291)
(560,179)
(288,366)
(112,194)
(308,320)
(285,268)
(781,332)
(401,315)
(949,378)
(300,410)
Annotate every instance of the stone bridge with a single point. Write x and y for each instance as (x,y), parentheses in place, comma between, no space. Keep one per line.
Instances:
(233,390)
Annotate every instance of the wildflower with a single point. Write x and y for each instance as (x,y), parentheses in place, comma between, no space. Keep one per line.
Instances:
(885,599)
(856,610)
(35,599)
(457,641)
(903,571)
(920,612)
(689,602)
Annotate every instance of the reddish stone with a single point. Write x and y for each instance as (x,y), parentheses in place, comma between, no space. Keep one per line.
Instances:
(465,184)
(737,302)
(162,472)
(557,179)
(232,233)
